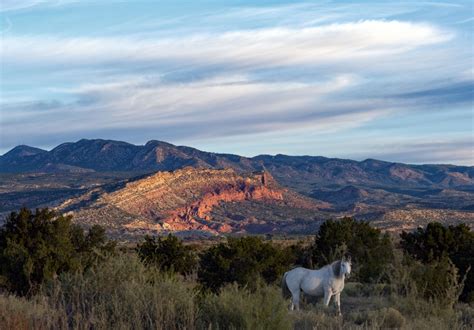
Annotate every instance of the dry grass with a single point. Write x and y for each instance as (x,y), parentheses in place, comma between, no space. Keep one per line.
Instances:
(19,313)
(123,294)
(235,308)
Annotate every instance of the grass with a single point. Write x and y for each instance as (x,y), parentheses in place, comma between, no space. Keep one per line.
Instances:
(236,308)
(122,293)
(20,313)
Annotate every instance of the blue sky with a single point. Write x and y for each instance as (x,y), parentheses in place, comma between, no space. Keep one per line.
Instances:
(346,79)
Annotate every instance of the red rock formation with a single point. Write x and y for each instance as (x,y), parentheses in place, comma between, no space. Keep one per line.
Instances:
(232,193)
(184,199)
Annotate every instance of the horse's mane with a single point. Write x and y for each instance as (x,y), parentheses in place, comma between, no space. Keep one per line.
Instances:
(336,268)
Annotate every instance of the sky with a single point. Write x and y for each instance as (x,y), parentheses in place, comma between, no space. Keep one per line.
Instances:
(367,79)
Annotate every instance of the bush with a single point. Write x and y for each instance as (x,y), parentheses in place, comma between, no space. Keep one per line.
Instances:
(371,251)
(314,319)
(36,247)
(20,313)
(436,282)
(302,254)
(466,314)
(167,254)
(384,318)
(392,319)
(437,241)
(439,281)
(242,260)
(235,308)
(121,293)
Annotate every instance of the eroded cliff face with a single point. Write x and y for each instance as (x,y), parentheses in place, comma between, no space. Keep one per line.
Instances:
(238,192)
(184,200)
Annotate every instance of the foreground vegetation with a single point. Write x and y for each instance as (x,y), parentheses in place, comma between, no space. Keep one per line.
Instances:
(66,278)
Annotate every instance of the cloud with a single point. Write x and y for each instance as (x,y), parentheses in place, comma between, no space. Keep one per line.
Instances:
(313,71)
(459,91)
(458,151)
(218,106)
(14,5)
(249,48)
(9,5)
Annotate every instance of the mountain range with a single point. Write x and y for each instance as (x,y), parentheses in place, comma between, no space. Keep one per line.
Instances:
(390,194)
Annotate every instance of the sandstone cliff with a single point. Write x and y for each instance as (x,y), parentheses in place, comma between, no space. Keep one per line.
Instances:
(184,200)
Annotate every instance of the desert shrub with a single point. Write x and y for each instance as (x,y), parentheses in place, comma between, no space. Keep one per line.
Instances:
(436,282)
(384,318)
(167,254)
(392,318)
(436,241)
(240,308)
(121,293)
(357,289)
(466,313)
(35,247)
(20,313)
(242,260)
(371,250)
(354,289)
(424,314)
(314,320)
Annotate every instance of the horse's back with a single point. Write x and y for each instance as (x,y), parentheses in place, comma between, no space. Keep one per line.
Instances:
(295,276)
(298,271)
(308,280)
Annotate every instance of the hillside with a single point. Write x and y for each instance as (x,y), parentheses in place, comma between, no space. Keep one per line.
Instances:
(186,201)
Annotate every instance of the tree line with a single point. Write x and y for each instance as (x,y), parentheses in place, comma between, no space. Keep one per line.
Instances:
(37,246)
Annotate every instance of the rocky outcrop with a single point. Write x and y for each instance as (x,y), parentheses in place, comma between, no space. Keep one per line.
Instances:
(184,200)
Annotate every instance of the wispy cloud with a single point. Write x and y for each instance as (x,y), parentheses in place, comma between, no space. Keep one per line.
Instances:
(8,5)
(12,5)
(262,47)
(228,105)
(457,151)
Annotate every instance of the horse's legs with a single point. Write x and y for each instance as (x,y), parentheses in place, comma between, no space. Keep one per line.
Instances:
(337,303)
(295,300)
(327,297)
(293,286)
(292,305)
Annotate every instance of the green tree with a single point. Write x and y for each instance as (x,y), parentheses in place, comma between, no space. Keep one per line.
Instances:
(437,280)
(244,261)
(371,251)
(436,241)
(35,247)
(168,254)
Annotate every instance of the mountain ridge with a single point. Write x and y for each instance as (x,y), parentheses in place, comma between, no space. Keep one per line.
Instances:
(371,189)
(182,147)
(109,155)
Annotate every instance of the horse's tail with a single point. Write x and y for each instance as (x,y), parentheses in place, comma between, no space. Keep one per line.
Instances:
(284,287)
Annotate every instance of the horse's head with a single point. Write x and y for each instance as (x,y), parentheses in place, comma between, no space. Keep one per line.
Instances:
(342,267)
(346,266)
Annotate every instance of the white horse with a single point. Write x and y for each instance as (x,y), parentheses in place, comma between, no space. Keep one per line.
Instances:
(327,281)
